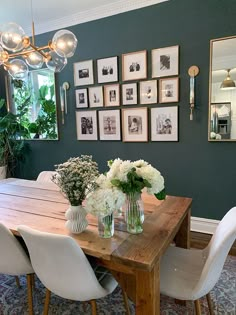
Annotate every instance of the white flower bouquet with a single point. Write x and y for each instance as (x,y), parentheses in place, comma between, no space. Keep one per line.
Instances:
(215,136)
(133,177)
(105,199)
(76,178)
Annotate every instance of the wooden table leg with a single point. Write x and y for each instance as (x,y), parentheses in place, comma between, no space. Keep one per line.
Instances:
(182,238)
(148,291)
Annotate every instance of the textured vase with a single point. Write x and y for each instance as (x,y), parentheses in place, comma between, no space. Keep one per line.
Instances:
(134,213)
(76,219)
(106,226)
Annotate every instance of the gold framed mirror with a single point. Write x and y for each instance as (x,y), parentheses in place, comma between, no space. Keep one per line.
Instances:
(222,90)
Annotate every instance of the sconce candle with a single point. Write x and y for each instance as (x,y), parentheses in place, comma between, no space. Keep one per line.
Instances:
(193,72)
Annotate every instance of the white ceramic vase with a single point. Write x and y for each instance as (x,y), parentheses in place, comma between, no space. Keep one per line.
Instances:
(76,219)
(3,172)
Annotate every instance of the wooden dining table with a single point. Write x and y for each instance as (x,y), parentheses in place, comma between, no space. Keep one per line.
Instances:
(134,260)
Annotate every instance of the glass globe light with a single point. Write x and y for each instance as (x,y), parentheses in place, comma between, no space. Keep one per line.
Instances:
(18,69)
(64,43)
(34,60)
(11,37)
(56,63)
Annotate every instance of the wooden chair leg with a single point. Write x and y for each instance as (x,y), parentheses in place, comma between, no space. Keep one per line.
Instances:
(94,307)
(17,281)
(84,306)
(197,307)
(47,301)
(32,281)
(209,302)
(126,302)
(30,295)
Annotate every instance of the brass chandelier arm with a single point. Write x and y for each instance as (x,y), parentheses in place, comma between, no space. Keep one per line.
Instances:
(26,52)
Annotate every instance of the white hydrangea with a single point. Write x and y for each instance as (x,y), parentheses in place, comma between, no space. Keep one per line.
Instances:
(114,169)
(124,168)
(103,201)
(153,176)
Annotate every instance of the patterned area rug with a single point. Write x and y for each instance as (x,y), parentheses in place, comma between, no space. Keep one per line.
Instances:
(13,300)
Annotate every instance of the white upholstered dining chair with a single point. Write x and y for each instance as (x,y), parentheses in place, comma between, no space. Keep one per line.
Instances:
(46,177)
(189,274)
(14,261)
(63,268)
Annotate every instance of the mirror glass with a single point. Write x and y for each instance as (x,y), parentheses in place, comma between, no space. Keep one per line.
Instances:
(35,102)
(222,104)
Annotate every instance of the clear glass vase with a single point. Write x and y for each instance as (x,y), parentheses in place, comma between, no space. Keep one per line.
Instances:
(134,213)
(106,226)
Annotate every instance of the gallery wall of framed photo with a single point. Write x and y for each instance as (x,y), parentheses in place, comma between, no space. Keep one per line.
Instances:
(129,106)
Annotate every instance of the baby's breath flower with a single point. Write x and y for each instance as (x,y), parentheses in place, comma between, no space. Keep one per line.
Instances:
(76,177)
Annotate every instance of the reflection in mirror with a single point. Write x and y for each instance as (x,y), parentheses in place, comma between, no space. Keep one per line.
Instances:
(35,103)
(222,107)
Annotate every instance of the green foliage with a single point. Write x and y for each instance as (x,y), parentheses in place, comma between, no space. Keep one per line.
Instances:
(161,195)
(134,183)
(44,125)
(12,148)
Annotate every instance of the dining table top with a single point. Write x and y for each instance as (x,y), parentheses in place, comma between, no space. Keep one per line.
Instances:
(134,260)
(42,206)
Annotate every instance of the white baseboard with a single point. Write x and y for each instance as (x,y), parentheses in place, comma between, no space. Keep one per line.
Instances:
(203,225)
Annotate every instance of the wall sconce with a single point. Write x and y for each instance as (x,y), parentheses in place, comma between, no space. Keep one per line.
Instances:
(193,71)
(63,97)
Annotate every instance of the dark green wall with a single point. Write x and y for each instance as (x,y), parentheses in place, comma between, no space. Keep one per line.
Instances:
(193,166)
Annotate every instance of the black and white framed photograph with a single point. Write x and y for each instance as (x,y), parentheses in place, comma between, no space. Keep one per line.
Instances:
(112,95)
(148,92)
(107,69)
(83,73)
(109,124)
(96,96)
(169,90)
(81,97)
(86,125)
(165,62)
(135,124)
(164,123)
(129,94)
(134,65)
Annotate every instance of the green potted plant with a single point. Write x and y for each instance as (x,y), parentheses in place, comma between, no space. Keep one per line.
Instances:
(12,148)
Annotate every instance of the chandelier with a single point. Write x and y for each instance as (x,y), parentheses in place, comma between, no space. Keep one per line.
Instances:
(18,51)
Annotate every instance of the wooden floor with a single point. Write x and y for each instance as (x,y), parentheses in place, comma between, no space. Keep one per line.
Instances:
(200,240)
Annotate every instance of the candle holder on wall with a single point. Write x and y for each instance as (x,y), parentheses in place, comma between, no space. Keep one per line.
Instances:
(193,71)
(63,96)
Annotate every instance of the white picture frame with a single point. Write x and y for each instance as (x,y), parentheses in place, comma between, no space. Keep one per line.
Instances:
(112,95)
(107,70)
(96,96)
(86,125)
(134,65)
(135,124)
(148,92)
(83,73)
(81,98)
(164,123)
(129,94)
(169,90)
(165,61)
(109,125)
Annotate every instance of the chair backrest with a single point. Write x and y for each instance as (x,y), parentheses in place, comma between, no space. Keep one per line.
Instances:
(61,265)
(216,252)
(46,176)
(13,260)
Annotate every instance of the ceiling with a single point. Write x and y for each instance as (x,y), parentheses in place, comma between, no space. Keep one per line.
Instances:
(50,15)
